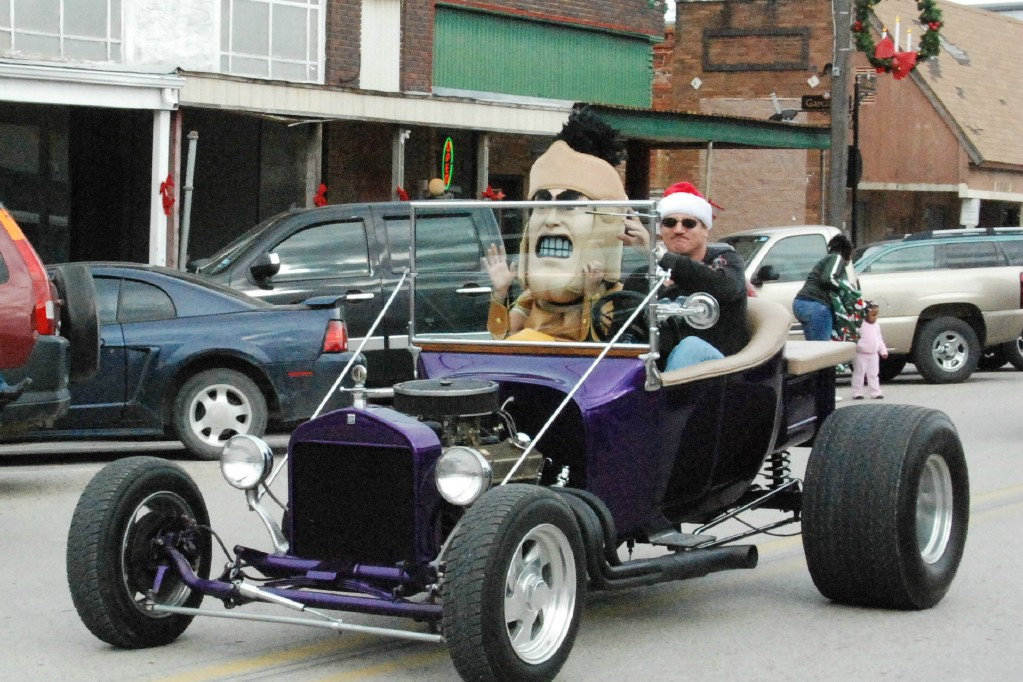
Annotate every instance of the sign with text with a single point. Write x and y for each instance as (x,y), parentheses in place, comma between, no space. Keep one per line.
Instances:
(816,103)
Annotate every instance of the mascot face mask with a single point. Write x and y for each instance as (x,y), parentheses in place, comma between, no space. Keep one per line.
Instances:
(560,241)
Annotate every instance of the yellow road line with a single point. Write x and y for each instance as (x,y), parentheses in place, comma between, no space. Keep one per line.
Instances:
(394,665)
(247,665)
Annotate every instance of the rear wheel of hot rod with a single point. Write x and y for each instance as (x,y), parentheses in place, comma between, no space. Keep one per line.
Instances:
(514,583)
(886,506)
(112,553)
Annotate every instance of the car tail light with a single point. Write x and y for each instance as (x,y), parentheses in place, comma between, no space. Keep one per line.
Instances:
(44,312)
(336,338)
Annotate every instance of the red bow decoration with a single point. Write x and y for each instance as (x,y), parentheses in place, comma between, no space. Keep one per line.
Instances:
(167,194)
(320,198)
(902,64)
(885,49)
(402,194)
(492,194)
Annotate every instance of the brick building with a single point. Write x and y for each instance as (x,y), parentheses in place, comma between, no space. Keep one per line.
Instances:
(726,57)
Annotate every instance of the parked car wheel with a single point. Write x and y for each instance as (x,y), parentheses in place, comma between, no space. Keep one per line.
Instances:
(214,405)
(886,506)
(891,367)
(514,586)
(1013,351)
(79,322)
(946,351)
(992,359)
(113,558)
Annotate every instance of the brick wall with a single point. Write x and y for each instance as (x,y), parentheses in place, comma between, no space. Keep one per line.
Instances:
(742,52)
(344,25)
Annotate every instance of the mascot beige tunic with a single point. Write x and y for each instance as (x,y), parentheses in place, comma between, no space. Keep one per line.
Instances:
(559,244)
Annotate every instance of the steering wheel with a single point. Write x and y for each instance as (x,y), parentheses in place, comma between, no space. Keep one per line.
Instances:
(606,324)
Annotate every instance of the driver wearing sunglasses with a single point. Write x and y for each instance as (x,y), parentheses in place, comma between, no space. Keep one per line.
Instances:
(695,265)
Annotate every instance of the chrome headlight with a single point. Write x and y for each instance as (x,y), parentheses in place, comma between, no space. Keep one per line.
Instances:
(246,461)
(463,474)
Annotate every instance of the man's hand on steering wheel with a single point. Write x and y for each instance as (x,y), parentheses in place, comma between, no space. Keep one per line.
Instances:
(610,312)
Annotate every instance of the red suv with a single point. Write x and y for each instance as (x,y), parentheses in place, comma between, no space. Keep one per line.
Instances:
(48,331)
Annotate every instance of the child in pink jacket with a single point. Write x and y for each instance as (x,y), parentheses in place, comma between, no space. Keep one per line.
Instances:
(869,349)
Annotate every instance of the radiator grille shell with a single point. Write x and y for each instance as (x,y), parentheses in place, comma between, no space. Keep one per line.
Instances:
(352,503)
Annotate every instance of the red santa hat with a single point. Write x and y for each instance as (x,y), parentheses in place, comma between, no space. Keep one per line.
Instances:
(683,197)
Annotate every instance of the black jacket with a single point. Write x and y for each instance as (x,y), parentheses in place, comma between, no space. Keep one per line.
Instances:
(722,274)
(823,279)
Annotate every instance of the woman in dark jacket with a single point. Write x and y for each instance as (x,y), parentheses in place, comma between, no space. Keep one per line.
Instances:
(812,305)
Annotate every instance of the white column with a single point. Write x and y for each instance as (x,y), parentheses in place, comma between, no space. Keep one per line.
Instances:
(482,164)
(161,166)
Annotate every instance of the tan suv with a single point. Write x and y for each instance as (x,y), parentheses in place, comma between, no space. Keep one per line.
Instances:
(945,297)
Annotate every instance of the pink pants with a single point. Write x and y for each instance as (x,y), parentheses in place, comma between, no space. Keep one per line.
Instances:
(866,365)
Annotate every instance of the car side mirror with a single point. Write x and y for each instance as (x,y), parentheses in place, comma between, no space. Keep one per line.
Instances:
(265,266)
(766,273)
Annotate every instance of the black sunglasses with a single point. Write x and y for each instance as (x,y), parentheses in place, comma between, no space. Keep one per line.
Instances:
(687,223)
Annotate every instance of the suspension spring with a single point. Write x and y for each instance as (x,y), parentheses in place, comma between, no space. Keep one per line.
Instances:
(778,468)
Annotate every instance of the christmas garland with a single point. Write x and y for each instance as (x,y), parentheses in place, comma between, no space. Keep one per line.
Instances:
(883,56)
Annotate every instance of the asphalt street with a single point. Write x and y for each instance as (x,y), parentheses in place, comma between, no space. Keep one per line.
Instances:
(766,624)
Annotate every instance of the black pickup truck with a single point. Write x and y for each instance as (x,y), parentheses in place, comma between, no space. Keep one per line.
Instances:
(359,252)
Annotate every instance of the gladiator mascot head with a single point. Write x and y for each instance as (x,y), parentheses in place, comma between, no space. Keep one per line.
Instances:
(559,242)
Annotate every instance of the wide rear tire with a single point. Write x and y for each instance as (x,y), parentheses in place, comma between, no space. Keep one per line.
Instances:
(113,557)
(514,586)
(886,506)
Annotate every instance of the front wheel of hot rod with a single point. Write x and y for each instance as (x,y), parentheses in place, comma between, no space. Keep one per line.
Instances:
(886,506)
(113,555)
(514,584)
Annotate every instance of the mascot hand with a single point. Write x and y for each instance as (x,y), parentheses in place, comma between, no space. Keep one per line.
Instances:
(501,274)
(593,275)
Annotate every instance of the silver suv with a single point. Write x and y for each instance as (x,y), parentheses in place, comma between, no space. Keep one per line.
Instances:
(946,297)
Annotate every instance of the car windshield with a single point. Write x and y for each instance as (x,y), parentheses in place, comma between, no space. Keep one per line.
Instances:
(222,259)
(867,250)
(746,245)
(493,303)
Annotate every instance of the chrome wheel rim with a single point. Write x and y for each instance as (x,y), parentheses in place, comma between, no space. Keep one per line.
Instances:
(540,593)
(218,412)
(144,566)
(950,351)
(934,509)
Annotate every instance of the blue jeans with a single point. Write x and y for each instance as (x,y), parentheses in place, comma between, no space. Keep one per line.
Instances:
(690,351)
(815,318)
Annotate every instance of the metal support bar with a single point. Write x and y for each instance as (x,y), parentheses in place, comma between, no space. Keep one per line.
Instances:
(746,507)
(332,624)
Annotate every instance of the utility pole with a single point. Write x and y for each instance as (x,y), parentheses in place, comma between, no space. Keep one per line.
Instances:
(839,153)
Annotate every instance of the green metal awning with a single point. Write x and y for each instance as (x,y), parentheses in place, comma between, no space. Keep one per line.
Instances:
(687,130)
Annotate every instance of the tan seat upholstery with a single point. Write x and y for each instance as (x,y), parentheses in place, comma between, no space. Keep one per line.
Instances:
(769,325)
(803,357)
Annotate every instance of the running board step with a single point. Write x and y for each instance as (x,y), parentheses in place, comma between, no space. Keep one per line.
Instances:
(674,538)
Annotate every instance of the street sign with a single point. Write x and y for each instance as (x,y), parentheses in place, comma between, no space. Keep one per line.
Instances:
(816,103)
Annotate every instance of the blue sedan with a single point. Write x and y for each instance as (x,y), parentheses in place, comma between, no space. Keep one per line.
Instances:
(201,362)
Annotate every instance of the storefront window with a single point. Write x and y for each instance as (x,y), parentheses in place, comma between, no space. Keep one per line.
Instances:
(81,30)
(278,39)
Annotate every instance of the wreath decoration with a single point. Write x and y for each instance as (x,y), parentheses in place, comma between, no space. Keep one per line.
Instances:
(882,56)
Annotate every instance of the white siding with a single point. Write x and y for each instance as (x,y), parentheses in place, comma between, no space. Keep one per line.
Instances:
(183,33)
(380,63)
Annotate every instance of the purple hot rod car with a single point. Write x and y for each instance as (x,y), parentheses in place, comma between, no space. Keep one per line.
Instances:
(500,486)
